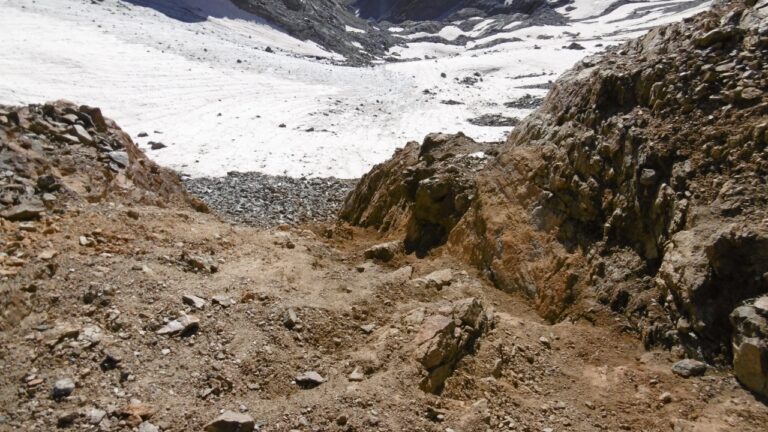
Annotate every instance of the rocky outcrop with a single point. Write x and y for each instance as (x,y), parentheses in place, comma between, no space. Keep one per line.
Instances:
(420,10)
(58,152)
(325,22)
(424,190)
(638,188)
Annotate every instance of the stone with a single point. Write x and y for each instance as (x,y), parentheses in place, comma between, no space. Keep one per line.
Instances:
(136,413)
(155,145)
(310,379)
(148,427)
(63,388)
(186,324)
(193,300)
(384,252)
(96,117)
(94,416)
(223,300)
(688,368)
(290,319)
(750,345)
(25,211)
(120,158)
(356,375)
(81,134)
(436,341)
(712,37)
(750,94)
(544,341)
(368,328)
(230,421)
(665,398)
(439,279)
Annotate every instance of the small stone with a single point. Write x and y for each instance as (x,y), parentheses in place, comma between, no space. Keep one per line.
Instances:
(356,375)
(67,419)
(310,379)
(751,93)
(193,300)
(81,134)
(544,341)
(223,301)
(665,398)
(148,427)
(63,388)
(290,319)
(342,420)
(94,416)
(47,255)
(185,324)
(231,421)
(384,252)
(156,145)
(689,367)
(368,328)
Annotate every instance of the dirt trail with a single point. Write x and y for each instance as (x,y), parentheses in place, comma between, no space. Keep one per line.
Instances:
(63,316)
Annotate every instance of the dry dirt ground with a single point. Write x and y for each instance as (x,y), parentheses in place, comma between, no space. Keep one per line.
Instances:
(96,282)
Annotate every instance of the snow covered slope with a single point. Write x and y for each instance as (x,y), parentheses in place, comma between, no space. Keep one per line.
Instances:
(197,75)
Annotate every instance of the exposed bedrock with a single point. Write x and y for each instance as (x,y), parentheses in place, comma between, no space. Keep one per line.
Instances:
(638,188)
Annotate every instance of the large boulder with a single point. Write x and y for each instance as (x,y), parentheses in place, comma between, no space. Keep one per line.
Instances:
(442,341)
(750,345)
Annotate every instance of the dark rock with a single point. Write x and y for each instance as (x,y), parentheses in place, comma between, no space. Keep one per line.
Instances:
(689,368)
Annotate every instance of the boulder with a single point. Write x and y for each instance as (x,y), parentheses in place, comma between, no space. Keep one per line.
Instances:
(442,341)
(384,252)
(750,345)
(689,368)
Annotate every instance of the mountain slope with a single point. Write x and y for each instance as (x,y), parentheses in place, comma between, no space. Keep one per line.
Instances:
(638,188)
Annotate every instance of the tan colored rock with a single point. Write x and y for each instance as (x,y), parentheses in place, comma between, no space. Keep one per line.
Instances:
(230,421)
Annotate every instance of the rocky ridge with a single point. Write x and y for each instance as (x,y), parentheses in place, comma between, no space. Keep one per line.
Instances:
(637,188)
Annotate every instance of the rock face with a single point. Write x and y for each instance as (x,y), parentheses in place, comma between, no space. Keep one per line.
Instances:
(750,345)
(637,188)
(423,189)
(324,22)
(419,10)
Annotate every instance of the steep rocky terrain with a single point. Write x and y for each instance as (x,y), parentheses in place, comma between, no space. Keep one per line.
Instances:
(126,308)
(397,11)
(637,189)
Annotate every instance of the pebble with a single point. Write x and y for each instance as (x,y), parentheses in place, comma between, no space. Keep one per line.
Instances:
(194,301)
(665,397)
(310,378)
(63,388)
(356,375)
